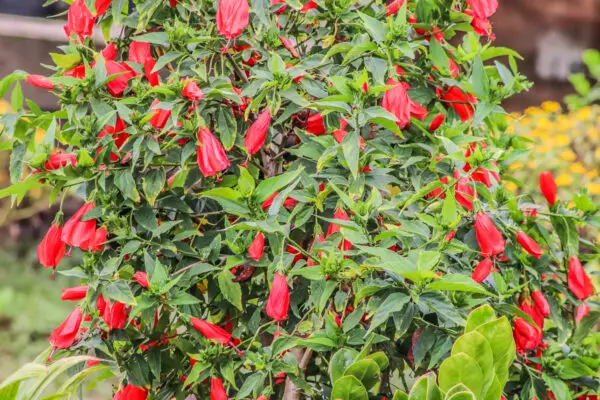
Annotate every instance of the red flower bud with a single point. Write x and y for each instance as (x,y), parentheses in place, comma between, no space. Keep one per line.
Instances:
(437,121)
(192,92)
(527,337)
(115,315)
(77,232)
(141,278)
(488,236)
(460,101)
(211,156)
(60,160)
(211,331)
(40,81)
(217,391)
(483,8)
(529,245)
(257,133)
(397,102)
(393,7)
(582,311)
(117,86)
(96,242)
(257,248)
(76,72)
(64,335)
(74,294)
(131,392)
(482,270)
(51,249)
(315,124)
(541,303)
(579,282)
(80,20)
(311,5)
(548,187)
(279,298)
(232,17)
(465,193)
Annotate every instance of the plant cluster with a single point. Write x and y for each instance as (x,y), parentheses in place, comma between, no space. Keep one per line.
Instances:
(290,199)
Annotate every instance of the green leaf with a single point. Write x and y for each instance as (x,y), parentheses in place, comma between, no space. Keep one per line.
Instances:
(349,388)
(479,79)
(17,158)
(340,361)
(152,184)
(457,283)
(16,97)
(375,27)
(166,59)
(439,57)
(66,61)
(126,184)
(476,346)
(365,370)
(271,185)
(449,210)
(479,316)
(351,150)
(460,368)
(425,388)
(231,291)
(120,291)
(246,182)
(380,358)
(226,127)
(499,335)
(146,217)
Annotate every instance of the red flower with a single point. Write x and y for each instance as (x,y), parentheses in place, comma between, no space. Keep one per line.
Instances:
(257,133)
(114,315)
(40,81)
(311,5)
(397,102)
(482,270)
(117,86)
(141,278)
(483,8)
(102,6)
(80,20)
(191,91)
(548,187)
(76,72)
(141,53)
(281,9)
(437,121)
(279,298)
(96,242)
(454,70)
(341,215)
(64,335)
(315,125)
(211,331)
(541,303)
(527,337)
(394,7)
(257,248)
(217,391)
(465,193)
(438,192)
(60,160)
(77,232)
(131,392)
(232,17)
(109,52)
(75,293)
(481,26)
(488,236)
(118,135)
(211,156)
(582,311)
(529,245)
(461,102)
(51,249)
(579,282)
(159,118)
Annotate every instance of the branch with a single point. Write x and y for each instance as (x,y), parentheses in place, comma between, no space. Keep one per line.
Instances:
(291,391)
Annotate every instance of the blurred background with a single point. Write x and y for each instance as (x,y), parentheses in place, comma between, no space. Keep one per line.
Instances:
(551,35)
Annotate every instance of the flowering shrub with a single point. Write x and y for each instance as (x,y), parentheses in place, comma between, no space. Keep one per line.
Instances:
(288,200)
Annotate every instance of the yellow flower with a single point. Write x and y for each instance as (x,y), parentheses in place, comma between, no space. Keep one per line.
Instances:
(597,152)
(594,188)
(564,179)
(551,106)
(577,168)
(532,111)
(515,166)
(568,155)
(584,114)
(592,174)
(531,164)
(593,133)
(562,140)
(510,186)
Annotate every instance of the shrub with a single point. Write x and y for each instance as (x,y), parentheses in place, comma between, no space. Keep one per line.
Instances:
(266,185)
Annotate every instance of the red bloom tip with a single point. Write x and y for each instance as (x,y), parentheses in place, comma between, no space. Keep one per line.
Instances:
(397,102)
(315,124)
(257,133)
(527,337)
(488,236)
(278,302)
(77,232)
(211,155)
(211,331)
(548,187)
(394,7)
(60,160)
(541,303)
(52,248)
(257,248)
(232,17)
(437,121)
(65,334)
(131,392)
(80,20)
(74,294)
(109,52)
(141,278)
(578,280)
(460,101)
(582,311)
(483,8)
(529,245)
(311,5)
(192,92)
(96,241)
(115,314)
(217,391)
(40,81)
(117,86)
(482,270)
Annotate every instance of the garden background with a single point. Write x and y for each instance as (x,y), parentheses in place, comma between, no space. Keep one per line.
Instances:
(564,133)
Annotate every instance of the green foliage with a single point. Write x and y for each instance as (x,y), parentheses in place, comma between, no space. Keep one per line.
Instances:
(365,207)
